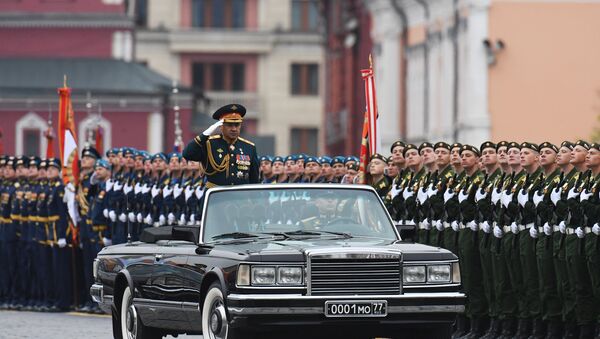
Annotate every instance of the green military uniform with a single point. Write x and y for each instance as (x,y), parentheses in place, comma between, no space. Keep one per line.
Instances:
(436,205)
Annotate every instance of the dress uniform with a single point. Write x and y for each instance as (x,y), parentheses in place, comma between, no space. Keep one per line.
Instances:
(7,246)
(435,194)
(227,162)
(382,186)
(423,216)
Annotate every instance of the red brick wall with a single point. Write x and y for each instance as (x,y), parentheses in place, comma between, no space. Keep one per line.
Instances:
(64,6)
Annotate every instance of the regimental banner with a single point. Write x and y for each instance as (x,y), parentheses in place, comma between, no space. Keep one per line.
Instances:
(66,137)
(371,142)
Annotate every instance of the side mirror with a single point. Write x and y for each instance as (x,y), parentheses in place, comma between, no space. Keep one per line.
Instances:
(408,233)
(186,233)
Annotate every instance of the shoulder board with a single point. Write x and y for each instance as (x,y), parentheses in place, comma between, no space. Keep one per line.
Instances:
(246,141)
(57,183)
(218,136)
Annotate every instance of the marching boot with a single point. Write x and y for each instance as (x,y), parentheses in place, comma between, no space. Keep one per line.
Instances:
(597,335)
(571,331)
(587,331)
(539,329)
(524,328)
(462,326)
(509,329)
(495,329)
(554,330)
(477,329)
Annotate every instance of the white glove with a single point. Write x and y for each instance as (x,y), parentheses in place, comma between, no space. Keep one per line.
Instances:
(426,224)
(394,191)
(506,199)
(113,216)
(109,184)
(162,220)
(422,195)
(572,193)
(407,193)
(122,217)
(522,197)
(177,191)
(514,228)
(596,229)
(498,232)
(131,216)
(462,196)
(480,194)
(192,219)
(189,190)
(139,218)
(171,218)
(485,226)
(431,192)
(454,226)
(155,191)
(106,241)
(580,233)
(562,227)
(473,226)
(137,188)
(585,195)
(496,195)
(210,130)
(127,188)
(533,232)
(537,198)
(117,186)
(182,221)
(439,225)
(547,229)
(62,243)
(199,192)
(555,195)
(148,220)
(167,191)
(105,213)
(448,194)
(145,189)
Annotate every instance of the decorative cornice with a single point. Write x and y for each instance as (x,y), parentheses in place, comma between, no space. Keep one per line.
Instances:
(62,20)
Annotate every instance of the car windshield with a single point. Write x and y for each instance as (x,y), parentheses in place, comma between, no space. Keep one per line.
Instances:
(290,213)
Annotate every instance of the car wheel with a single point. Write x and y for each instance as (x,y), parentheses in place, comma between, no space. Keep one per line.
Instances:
(116,324)
(215,324)
(131,324)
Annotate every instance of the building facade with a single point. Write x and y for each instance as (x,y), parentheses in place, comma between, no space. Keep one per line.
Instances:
(264,54)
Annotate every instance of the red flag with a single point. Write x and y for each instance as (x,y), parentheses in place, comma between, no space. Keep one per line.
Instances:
(365,156)
(67,137)
(372,112)
(1,145)
(99,140)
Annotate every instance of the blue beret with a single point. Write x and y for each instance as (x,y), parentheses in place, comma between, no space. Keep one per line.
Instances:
(128,151)
(291,157)
(325,160)
(338,160)
(89,151)
(277,159)
(266,158)
(175,155)
(310,159)
(301,156)
(145,155)
(102,163)
(112,151)
(159,155)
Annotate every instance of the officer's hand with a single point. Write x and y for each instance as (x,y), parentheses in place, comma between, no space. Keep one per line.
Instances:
(192,219)
(137,189)
(580,233)
(189,191)
(514,228)
(162,220)
(182,221)
(462,196)
(155,191)
(113,216)
(148,220)
(426,224)
(167,191)
(422,195)
(537,198)
(145,189)
(547,229)
(555,195)
(473,226)
(127,188)
(109,185)
(131,216)
(106,242)
(496,195)
(573,193)
(480,194)
(533,232)
(439,225)
(62,242)
(585,195)
(105,213)
(122,217)
(213,128)
(485,226)
(171,218)
(177,190)
(117,186)
(522,197)
(596,229)
(431,192)
(407,193)
(394,191)
(199,192)
(562,227)
(448,194)
(139,218)
(506,198)
(454,226)
(498,232)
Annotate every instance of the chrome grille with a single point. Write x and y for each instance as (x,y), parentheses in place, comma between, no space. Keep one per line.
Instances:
(355,274)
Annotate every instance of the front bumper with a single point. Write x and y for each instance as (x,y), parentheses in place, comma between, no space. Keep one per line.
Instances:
(285,309)
(98,296)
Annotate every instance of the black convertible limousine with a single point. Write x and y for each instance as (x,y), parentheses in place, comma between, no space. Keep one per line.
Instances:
(280,261)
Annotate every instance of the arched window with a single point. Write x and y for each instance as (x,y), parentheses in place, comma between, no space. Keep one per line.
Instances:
(88,128)
(30,138)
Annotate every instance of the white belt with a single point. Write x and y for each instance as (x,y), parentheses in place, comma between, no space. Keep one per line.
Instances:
(530,225)
(587,230)
(555,228)
(422,226)
(461,226)
(570,231)
(506,229)
(447,225)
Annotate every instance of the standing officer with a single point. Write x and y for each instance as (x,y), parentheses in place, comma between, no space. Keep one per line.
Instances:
(379,181)
(228,158)
(436,191)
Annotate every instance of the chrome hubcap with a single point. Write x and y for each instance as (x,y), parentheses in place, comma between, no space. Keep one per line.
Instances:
(131,321)
(218,321)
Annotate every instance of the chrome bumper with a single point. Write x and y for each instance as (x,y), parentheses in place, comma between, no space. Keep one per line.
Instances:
(410,303)
(98,296)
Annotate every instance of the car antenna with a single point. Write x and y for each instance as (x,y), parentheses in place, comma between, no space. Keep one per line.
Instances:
(128,221)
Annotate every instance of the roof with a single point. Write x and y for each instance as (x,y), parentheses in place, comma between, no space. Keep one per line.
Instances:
(26,76)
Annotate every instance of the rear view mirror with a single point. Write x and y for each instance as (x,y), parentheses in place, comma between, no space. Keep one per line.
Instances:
(408,233)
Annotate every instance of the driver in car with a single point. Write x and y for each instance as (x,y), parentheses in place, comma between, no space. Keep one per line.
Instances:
(322,211)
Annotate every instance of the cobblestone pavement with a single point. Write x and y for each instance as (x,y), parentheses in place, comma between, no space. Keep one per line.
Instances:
(57,325)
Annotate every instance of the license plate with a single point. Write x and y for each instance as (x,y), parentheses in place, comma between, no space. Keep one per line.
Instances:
(371,308)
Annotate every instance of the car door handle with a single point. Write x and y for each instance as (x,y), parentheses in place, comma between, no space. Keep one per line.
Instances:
(158,257)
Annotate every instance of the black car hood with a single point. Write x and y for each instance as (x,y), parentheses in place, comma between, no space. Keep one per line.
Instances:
(294,250)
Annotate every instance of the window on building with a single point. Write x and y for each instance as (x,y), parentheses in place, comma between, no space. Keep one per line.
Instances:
(304,140)
(31,142)
(141,12)
(227,77)
(305,79)
(305,15)
(219,13)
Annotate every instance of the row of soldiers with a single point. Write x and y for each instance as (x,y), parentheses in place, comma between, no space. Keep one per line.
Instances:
(523,221)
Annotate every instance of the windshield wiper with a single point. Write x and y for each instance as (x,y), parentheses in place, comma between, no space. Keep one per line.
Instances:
(343,234)
(277,234)
(234,235)
(301,232)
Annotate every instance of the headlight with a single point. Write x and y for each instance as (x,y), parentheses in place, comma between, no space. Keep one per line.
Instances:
(455,272)
(439,273)
(263,275)
(243,275)
(289,275)
(413,274)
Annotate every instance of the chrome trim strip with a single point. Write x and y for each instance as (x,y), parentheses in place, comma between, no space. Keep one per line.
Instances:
(156,303)
(188,306)
(435,295)
(430,285)
(320,310)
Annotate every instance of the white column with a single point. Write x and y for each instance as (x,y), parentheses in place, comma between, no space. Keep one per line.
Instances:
(156,130)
